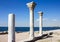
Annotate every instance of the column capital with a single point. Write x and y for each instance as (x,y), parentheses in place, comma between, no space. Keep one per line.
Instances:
(31,5)
(41,13)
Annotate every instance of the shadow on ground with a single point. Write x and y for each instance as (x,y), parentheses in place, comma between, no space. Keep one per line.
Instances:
(44,36)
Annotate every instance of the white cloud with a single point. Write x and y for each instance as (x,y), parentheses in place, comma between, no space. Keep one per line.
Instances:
(37,19)
(44,19)
(49,22)
(54,20)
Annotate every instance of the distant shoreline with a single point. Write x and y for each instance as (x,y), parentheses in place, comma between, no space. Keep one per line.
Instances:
(26,29)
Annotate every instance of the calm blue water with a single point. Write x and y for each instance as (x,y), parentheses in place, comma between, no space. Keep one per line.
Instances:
(25,29)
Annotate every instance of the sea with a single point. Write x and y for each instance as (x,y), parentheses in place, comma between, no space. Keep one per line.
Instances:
(26,29)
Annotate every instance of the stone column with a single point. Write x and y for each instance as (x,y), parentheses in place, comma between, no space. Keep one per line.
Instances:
(11,28)
(40,22)
(31,7)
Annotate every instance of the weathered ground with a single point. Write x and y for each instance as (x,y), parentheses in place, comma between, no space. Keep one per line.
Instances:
(25,35)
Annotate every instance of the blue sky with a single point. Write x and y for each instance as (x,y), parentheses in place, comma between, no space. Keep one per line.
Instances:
(50,8)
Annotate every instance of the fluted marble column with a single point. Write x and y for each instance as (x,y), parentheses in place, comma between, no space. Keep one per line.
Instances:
(11,28)
(31,7)
(40,22)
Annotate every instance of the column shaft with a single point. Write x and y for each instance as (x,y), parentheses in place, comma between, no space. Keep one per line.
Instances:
(31,23)
(40,25)
(11,28)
